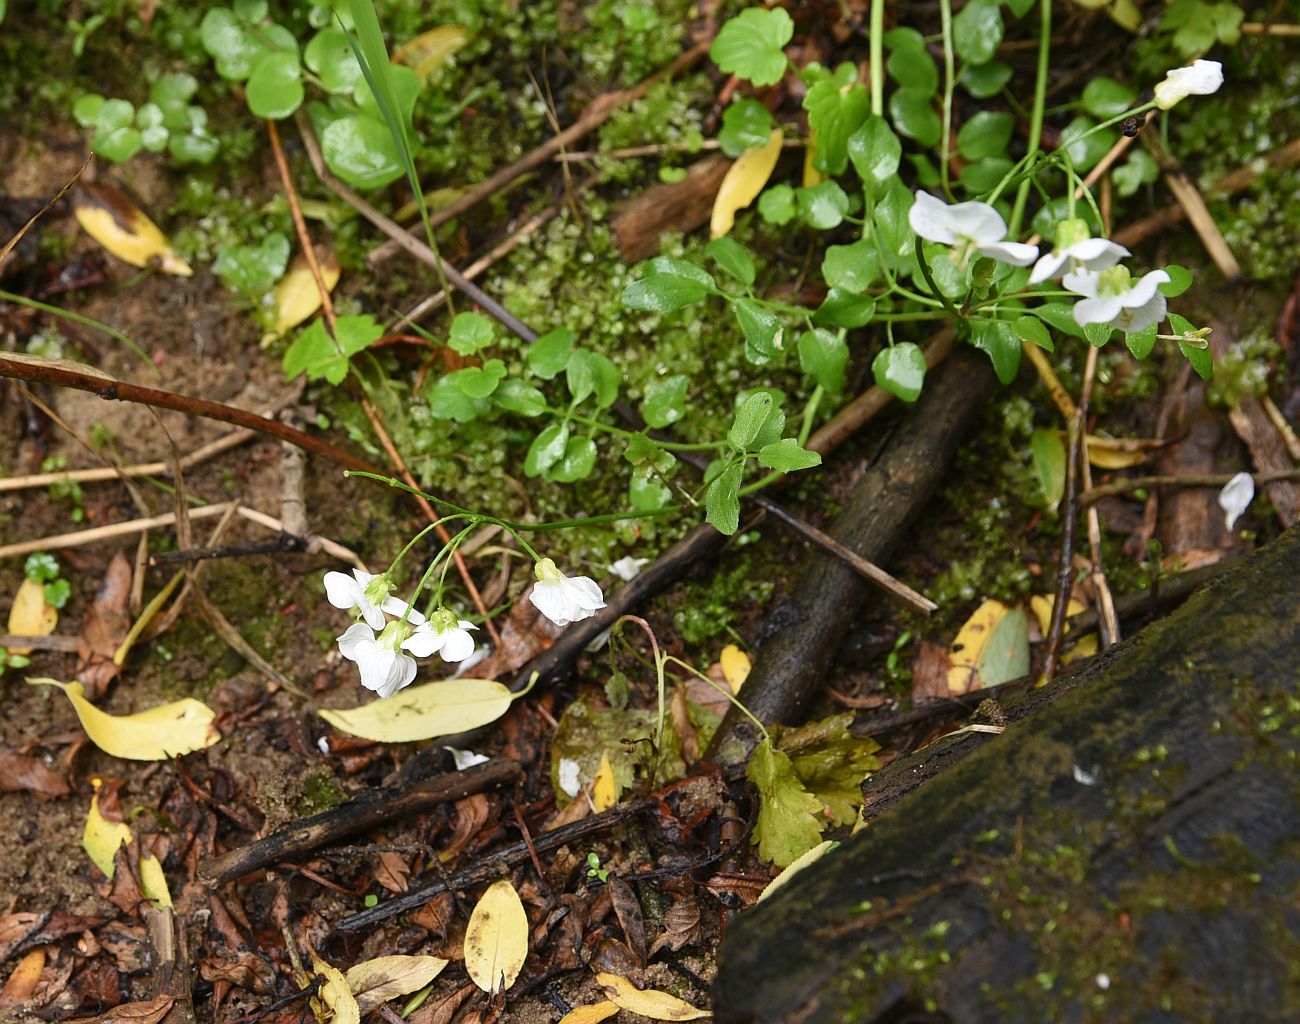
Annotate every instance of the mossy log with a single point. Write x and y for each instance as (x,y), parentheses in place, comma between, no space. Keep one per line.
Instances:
(1128,850)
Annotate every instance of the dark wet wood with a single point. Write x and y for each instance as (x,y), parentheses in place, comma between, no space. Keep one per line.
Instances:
(1126,850)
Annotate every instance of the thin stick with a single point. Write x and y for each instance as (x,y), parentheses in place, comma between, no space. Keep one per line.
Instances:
(1147,483)
(62,644)
(1047,375)
(1109,630)
(1065,573)
(87,476)
(592,118)
(1259,28)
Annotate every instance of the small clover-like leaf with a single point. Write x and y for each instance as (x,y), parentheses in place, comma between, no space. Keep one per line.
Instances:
(751,45)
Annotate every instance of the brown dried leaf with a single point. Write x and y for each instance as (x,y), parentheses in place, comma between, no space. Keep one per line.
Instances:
(930,673)
(436,915)
(22,982)
(107,623)
(681,923)
(241,968)
(392,872)
(471,816)
(442,1010)
(147,1011)
(23,930)
(627,908)
(24,772)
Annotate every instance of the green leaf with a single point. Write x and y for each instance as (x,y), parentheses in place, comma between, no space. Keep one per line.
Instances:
(891,220)
(668,284)
(1140,343)
(405,88)
(1105,98)
(831,762)
(41,567)
(330,55)
(733,258)
(722,500)
(57,593)
(479,381)
(513,395)
(357,332)
(977,31)
(1097,334)
(1086,152)
(823,355)
(750,45)
(448,402)
(314,353)
(577,462)
(361,151)
(745,125)
(1180,279)
(647,492)
(823,206)
(1020,7)
(85,111)
(253,269)
(469,333)
(980,176)
(900,370)
(875,152)
(836,109)
(1031,329)
(275,87)
(999,342)
(787,456)
(1198,355)
(909,64)
(762,330)
(1061,316)
(1139,169)
(851,268)
(229,43)
(665,401)
(549,354)
(193,149)
(1049,465)
(750,418)
(986,134)
(590,373)
(985,80)
(789,817)
(119,145)
(547,449)
(912,111)
(641,451)
(843,309)
(1006,652)
(776,204)
(172,95)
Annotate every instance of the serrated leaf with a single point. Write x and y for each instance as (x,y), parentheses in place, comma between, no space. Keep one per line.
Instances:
(900,370)
(386,977)
(790,818)
(831,762)
(253,269)
(1049,465)
(496,939)
(750,45)
(469,333)
(112,220)
(423,712)
(648,1002)
(156,734)
(743,182)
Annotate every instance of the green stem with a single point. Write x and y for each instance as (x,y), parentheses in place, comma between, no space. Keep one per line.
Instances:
(85,321)
(945,143)
(1036,118)
(878,57)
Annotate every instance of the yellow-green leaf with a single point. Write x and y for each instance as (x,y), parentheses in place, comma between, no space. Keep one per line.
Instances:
(592,1013)
(798,864)
(496,941)
(30,615)
(387,977)
(297,296)
(790,818)
(112,220)
(335,994)
(743,182)
(648,1002)
(429,50)
(153,883)
(604,788)
(424,712)
(155,734)
(101,837)
(735,666)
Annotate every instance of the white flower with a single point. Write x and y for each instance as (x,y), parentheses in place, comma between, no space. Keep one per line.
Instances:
(1201,79)
(443,634)
(369,595)
(384,668)
(567,776)
(465,758)
(563,599)
(1076,250)
(967,227)
(628,568)
(1235,497)
(1112,297)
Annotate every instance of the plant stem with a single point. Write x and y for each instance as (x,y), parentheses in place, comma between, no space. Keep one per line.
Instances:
(878,57)
(945,17)
(1036,117)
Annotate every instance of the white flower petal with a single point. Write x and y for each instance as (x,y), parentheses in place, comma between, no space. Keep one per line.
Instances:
(1082,282)
(1048,266)
(465,758)
(424,641)
(1141,291)
(567,777)
(1236,497)
(1018,254)
(1201,79)
(1132,319)
(1101,310)
(980,223)
(567,600)
(930,218)
(352,639)
(341,590)
(457,645)
(397,608)
(627,568)
(1096,253)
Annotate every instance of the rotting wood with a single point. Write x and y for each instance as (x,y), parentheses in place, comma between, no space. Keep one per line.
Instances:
(355,816)
(1136,820)
(801,635)
(680,206)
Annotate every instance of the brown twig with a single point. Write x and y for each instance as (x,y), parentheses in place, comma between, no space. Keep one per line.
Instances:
(1065,572)
(1109,629)
(1146,483)
(592,118)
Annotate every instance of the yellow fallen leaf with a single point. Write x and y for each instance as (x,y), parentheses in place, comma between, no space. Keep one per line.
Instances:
(798,864)
(387,977)
(112,220)
(155,734)
(22,982)
(30,615)
(297,296)
(964,654)
(811,176)
(592,1013)
(1041,606)
(496,940)
(604,787)
(335,994)
(743,182)
(422,712)
(429,50)
(735,666)
(153,883)
(648,1002)
(101,837)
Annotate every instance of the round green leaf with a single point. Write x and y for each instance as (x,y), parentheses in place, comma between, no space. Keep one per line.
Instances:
(986,134)
(912,67)
(647,492)
(155,138)
(118,145)
(546,449)
(469,333)
(86,110)
(900,370)
(549,354)
(149,116)
(665,401)
(875,151)
(851,268)
(762,330)
(227,40)
(513,395)
(977,31)
(577,462)
(844,309)
(751,45)
(982,176)
(732,257)
(985,80)
(1105,98)
(1086,152)
(1180,279)
(360,150)
(912,111)
(330,55)
(275,86)
(823,206)
(999,342)
(193,149)
(823,355)
(745,125)
(776,204)
(1031,329)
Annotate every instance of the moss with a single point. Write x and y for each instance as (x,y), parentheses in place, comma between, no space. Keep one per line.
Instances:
(320,792)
